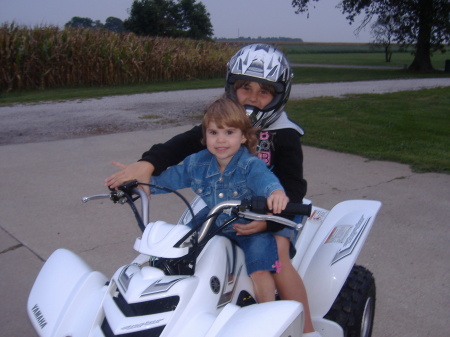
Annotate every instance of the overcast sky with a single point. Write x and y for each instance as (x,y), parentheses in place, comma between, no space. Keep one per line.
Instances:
(230,18)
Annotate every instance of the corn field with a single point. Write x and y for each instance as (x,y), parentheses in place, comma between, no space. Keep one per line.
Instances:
(48,57)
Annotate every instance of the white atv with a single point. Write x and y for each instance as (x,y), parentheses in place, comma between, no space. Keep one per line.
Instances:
(193,283)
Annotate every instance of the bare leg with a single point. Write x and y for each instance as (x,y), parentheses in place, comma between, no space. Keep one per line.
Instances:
(289,283)
(264,286)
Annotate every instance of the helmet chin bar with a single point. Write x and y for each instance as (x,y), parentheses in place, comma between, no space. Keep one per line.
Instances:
(254,113)
(260,118)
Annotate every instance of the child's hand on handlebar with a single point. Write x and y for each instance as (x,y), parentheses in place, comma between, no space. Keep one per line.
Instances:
(277,201)
(140,171)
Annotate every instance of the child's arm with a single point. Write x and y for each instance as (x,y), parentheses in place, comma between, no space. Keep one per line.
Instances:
(277,201)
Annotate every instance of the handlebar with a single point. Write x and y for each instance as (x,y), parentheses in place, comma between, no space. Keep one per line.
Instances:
(254,209)
(119,196)
(259,205)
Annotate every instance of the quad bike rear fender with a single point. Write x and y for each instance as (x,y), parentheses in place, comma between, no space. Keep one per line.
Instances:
(333,251)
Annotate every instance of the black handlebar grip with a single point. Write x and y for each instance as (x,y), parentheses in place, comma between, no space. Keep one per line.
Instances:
(259,205)
(297,209)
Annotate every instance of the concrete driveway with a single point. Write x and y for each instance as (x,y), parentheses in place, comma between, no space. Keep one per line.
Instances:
(41,210)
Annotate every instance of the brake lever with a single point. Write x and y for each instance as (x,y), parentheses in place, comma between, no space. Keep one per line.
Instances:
(115,196)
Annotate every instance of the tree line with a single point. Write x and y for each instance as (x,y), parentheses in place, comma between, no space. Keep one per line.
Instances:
(162,18)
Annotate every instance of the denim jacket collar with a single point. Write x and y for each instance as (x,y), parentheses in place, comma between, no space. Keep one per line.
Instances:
(214,169)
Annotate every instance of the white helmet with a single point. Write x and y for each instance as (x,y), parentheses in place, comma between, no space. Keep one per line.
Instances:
(262,63)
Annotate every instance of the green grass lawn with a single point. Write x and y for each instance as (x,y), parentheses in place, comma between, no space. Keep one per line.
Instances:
(63,94)
(406,127)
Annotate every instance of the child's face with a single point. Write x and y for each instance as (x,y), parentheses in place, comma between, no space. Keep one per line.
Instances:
(251,93)
(224,142)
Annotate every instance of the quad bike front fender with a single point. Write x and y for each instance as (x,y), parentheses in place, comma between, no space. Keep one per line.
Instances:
(333,251)
(66,296)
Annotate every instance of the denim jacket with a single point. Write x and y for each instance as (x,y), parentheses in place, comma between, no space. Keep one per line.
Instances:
(245,176)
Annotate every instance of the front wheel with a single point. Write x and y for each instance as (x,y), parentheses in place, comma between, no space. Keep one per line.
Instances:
(354,308)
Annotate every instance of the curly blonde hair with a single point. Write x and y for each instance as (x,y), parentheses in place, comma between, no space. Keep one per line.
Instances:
(228,112)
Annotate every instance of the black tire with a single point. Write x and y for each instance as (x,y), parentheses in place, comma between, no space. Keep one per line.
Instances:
(354,308)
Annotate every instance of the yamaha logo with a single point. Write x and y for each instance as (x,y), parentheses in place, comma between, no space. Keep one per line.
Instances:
(39,317)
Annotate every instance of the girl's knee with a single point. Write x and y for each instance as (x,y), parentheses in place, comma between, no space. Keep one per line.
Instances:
(260,274)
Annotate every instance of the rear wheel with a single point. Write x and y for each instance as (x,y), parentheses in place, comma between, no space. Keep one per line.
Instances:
(354,308)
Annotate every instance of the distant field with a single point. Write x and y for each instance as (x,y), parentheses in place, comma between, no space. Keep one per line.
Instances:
(331,47)
(359,54)
(398,60)
(354,54)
